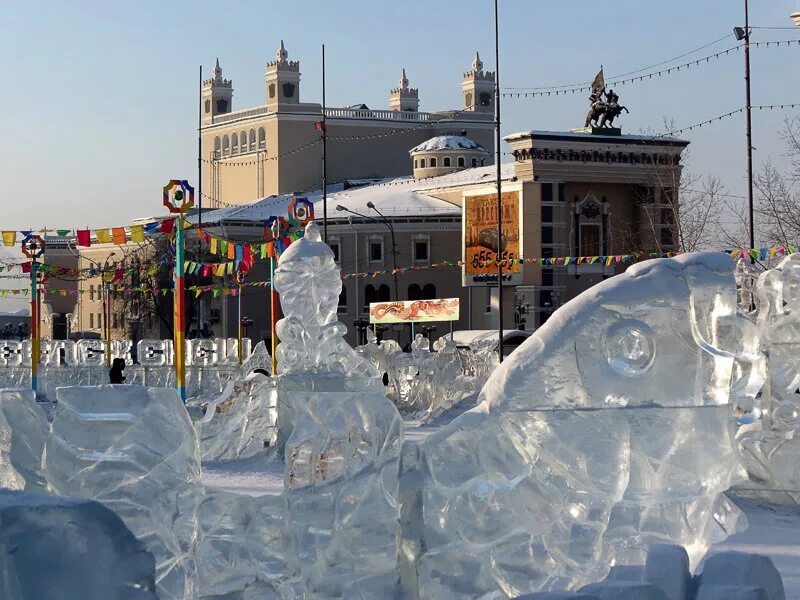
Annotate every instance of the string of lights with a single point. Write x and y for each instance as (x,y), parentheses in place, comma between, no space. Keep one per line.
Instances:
(556,91)
(222,160)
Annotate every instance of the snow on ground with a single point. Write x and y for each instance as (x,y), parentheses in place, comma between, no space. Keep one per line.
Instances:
(773,531)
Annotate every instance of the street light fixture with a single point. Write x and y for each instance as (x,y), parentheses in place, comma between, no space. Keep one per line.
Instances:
(385,222)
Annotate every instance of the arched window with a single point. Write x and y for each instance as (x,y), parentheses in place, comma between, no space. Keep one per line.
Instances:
(428,292)
(415,163)
(474,162)
(433,162)
(234,143)
(262,139)
(343,301)
(208,106)
(226,145)
(421,163)
(460,161)
(446,161)
(369,296)
(217,145)
(414,292)
(384,295)
(252,139)
(243,139)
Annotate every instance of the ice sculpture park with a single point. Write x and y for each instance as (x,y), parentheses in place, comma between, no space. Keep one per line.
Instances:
(599,459)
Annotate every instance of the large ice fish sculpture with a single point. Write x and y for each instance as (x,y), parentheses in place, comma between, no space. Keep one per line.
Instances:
(340,436)
(607,431)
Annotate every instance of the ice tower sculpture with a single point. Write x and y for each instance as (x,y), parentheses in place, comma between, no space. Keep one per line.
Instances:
(769,434)
(340,436)
(608,430)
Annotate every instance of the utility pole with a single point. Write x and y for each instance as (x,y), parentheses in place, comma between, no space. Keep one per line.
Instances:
(744,34)
(324,158)
(498,155)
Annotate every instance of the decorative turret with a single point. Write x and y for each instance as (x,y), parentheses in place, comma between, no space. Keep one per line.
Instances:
(283,80)
(478,87)
(404,97)
(217,95)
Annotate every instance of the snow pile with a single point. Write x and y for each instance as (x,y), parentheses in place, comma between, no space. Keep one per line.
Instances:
(586,447)
(69,548)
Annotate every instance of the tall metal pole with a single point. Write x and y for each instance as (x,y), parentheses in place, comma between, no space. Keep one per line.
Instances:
(498,155)
(179,314)
(35,334)
(324,157)
(748,117)
(200,153)
(239,329)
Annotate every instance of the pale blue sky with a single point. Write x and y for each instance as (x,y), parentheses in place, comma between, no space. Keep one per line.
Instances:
(99,98)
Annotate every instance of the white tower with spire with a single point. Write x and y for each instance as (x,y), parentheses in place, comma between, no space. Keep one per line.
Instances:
(404,97)
(217,95)
(283,80)
(478,87)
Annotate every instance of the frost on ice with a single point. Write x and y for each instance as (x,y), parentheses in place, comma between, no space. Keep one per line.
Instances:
(608,430)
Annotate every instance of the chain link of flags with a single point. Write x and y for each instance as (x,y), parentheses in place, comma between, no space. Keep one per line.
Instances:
(760,254)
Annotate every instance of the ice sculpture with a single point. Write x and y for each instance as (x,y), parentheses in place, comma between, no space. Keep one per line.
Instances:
(241,422)
(339,433)
(768,434)
(311,336)
(23,431)
(69,548)
(606,431)
(134,450)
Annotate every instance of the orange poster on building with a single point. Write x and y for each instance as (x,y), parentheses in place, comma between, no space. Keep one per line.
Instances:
(484,245)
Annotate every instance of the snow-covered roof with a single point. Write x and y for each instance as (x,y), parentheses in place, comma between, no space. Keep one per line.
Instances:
(394,196)
(448,142)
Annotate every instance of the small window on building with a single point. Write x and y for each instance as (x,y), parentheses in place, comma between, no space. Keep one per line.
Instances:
(666,236)
(91,292)
(547,277)
(421,163)
(416,163)
(271,90)
(667,216)
(100,320)
(243,140)
(235,143)
(422,249)
(428,291)
(342,309)
(414,292)
(433,162)
(226,145)
(222,106)
(252,139)
(460,161)
(446,161)
(547,235)
(384,295)
(590,239)
(208,106)
(91,320)
(376,250)
(262,139)
(217,145)
(547,214)
(474,162)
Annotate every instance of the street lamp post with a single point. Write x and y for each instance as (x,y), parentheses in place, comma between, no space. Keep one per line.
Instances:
(388,224)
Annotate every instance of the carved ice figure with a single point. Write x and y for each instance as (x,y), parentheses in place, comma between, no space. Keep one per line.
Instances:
(340,436)
(311,336)
(768,435)
(23,431)
(241,422)
(134,450)
(606,431)
(91,352)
